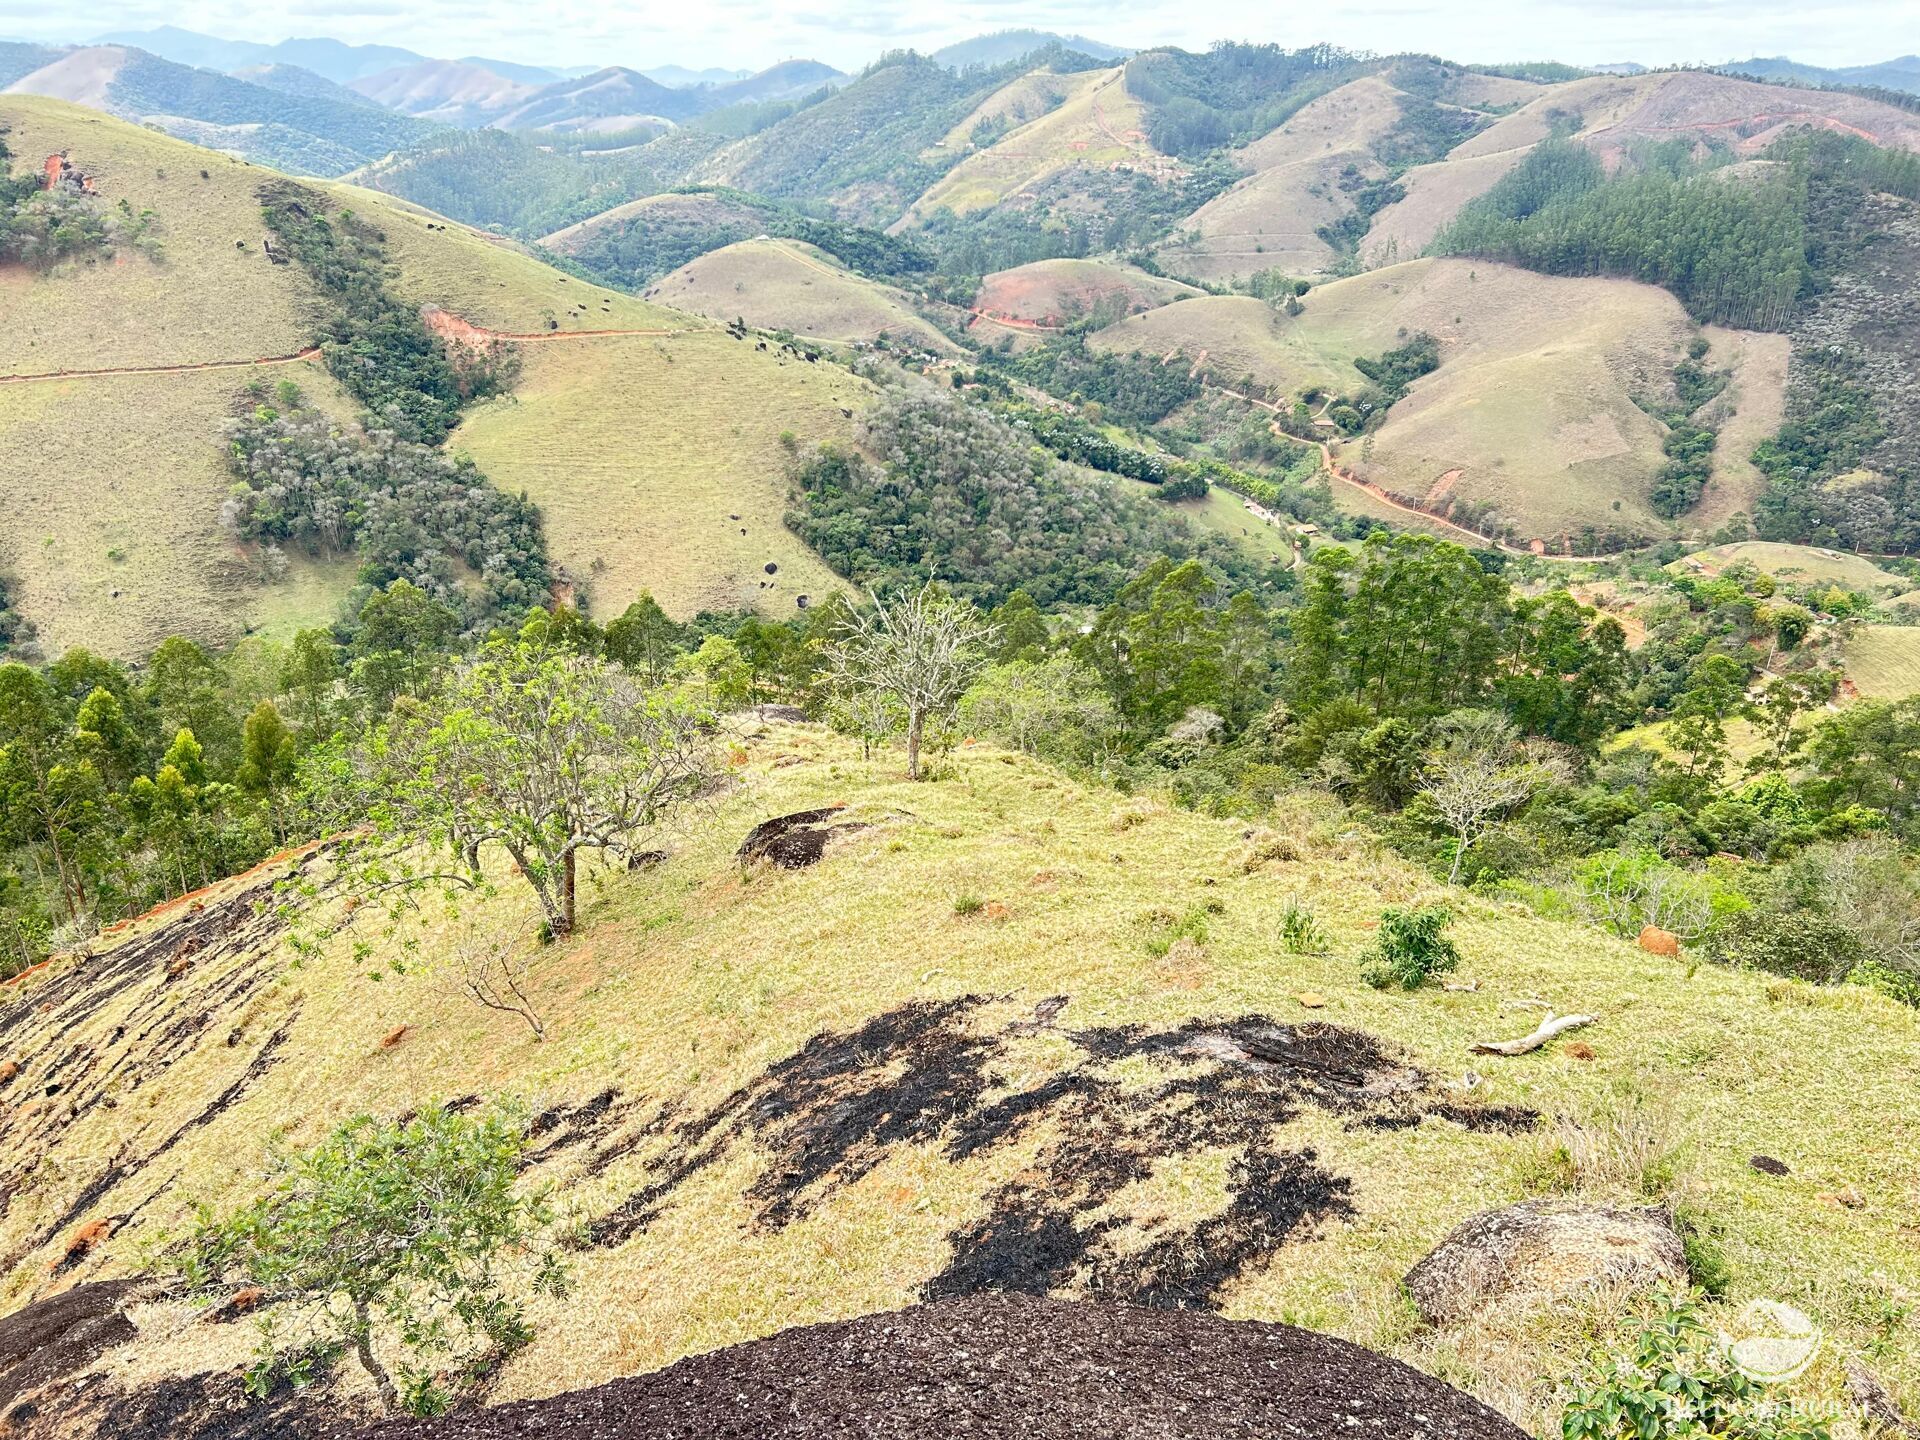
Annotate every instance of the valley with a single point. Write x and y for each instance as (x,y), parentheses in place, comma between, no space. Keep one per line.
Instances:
(1029,738)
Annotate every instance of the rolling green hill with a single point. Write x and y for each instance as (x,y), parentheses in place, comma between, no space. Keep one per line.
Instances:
(787,285)
(1530,421)
(115,542)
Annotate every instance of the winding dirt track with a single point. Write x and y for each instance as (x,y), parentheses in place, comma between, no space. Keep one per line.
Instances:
(312,352)
(1331,468)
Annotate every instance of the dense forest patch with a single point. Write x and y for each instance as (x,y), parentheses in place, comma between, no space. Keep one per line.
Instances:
(961,496)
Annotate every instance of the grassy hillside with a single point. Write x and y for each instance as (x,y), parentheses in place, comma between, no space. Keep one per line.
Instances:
(1096,126)
(1055,292)
(1531,413)
(862,150)
(109,530)
(1271,219)
(658,465)
(1796,564)
(1611,115)
(1748,411)
(1435,193)
(1883,661)
(845,1184)
(787,285)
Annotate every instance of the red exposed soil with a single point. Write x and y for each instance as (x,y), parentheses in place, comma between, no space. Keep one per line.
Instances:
(1006,1368)
(1428,509)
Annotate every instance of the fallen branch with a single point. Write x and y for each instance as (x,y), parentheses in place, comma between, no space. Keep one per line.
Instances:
(1551,1026)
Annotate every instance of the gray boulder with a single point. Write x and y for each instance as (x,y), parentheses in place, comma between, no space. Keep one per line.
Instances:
(1541,1250)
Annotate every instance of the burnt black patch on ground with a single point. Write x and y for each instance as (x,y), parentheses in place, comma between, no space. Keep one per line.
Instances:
(58,1336)
(189,977)
(794,841)
(192,1407)
(1222,1085)
(1007,1368)
(1136,1098)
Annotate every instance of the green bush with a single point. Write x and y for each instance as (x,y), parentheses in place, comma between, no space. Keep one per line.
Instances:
(1678,1383)
(1410,950)
(1300,933)
(411,1228)
(1802,943)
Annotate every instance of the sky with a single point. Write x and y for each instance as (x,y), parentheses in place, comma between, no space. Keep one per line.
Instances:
(750,34)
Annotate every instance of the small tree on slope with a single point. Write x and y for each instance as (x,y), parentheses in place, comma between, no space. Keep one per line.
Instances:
(543,753)
(924,649)
(413,1228)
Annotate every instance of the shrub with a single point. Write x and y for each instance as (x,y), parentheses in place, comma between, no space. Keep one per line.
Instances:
(1800,943)
(1300,933)
(414,1223)
(1678,1383)
(1410,950)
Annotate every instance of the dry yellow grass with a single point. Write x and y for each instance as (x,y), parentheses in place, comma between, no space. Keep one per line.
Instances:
(110,486)
(641,453)
(1019,102)
(1270,219)
(1435,194)
(1748,411)
(1883,661)
(1599,101)
(673,207)
(1797,564)
(1098,126)
(110,494)
(209,299)
(690,979)
(788,285)
(1532,403)
(1350,119)
(1049,291)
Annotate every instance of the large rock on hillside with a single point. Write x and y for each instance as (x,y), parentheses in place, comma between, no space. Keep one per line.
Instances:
(1008,1367)
(58,1336)
(1541,1250)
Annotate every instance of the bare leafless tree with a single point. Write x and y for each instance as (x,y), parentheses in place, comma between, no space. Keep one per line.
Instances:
(1481,772)
(923,649)
(489,966)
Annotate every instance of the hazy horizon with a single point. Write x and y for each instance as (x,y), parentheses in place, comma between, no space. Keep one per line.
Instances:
(756,33)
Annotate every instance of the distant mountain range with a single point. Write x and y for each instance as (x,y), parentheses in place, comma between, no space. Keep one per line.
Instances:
(323,106)
(334,59)
(1900,74)
(1005,45)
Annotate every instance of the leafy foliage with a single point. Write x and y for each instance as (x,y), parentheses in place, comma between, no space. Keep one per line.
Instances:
(1136,389)
(1740,250)
(412,1226)
(1410,949)
(1678,1382)
(958,496)
(376,346)
(636,252)
(40,226)
(1231,94)
(408,511)
(525,186)
(541,751)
